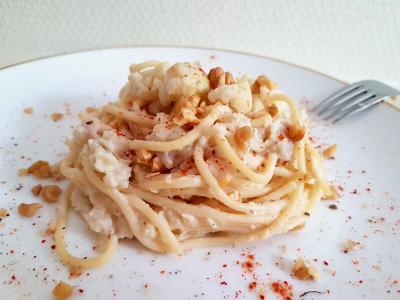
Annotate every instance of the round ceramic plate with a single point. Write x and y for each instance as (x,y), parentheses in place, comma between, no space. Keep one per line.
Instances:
(365,171)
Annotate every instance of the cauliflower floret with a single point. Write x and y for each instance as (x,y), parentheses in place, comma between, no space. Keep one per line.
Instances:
(237,96)
(116,171)
(143,86)
(182,81)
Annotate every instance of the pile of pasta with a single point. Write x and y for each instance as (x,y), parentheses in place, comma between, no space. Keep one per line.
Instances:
(187,159)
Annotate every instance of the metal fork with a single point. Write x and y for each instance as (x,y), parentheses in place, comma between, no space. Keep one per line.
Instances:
(353,99)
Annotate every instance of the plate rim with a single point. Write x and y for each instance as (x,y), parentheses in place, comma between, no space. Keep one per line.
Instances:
(328,76)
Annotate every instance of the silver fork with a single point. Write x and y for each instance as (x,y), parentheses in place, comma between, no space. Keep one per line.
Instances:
(353,99)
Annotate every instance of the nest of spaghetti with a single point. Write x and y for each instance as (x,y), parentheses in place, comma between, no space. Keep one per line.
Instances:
(187,158)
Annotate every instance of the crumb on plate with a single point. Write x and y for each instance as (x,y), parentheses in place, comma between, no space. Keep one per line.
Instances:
(3,213)
(304,272)
(28,209)
(51,193)
(330,151)
(40,169)
(57,116)
(62,291)
(28,110)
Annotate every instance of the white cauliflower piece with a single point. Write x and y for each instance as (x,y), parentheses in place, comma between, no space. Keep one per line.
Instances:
(116,171)
(182,81)
(237,96)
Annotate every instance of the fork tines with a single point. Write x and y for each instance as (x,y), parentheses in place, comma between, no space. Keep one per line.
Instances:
(348,101)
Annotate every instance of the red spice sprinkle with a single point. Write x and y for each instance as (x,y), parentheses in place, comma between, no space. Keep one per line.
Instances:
(354,191)
(44,269)
(119,133)
(325,263)
(250,256)
(223,283)
(360,281)
(146,285)
(283,289)
(224,265)
(81,291)
(262,297)
(13,277)
(12,251)
(53,247)
(252,285)
(280,137)
(162,272)
(340,188)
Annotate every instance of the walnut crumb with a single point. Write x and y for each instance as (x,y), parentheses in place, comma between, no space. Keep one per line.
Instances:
(40,169)
(243,136)
(3,212)
(62,291)
(28,210)
(295,133)
(304,272)
(28,110)
(51,193)
(36,189)
(218,78)
(57,117)
(330,151)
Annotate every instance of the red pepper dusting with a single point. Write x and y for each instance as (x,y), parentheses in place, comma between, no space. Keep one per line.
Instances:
(43,241)
(262,297)
(162,272)
(224,265)
(53,247)
(223,283)
(13,277)
(360,281)
(119,133)
(252,285)
(283,289)
(280,137)
(146,285)
(81,291)
(44,269)
(325,263)
(12,251)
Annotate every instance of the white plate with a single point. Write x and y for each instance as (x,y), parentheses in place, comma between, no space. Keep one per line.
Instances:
(367,158)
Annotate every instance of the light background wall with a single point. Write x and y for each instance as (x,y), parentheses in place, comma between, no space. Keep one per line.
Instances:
(348,39)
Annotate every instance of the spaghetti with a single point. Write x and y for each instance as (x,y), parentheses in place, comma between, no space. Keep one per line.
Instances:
(185,159)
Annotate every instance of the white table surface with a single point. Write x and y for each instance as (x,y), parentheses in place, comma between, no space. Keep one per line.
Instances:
(350,40)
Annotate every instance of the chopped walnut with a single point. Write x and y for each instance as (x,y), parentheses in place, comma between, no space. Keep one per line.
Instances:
(51,193)
(57,116)
(262,81)
(351,245)
(62,291)
(200,112)
(156,164)
(28,110)
(218,77)
(28,210)
(295,133)
(185,111)
(333,195)
(243,136)
(330,151)
(143,156)
(273,110)
(3,213)
(40,169)
(36,189)
(303,272)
